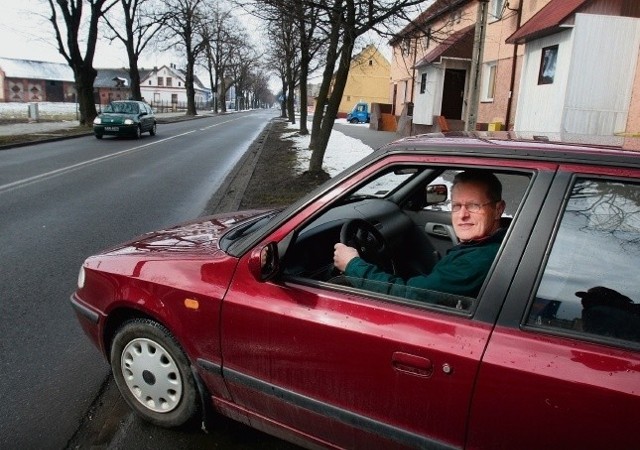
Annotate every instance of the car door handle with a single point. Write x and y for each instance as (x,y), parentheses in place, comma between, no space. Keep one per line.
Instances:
(412,364)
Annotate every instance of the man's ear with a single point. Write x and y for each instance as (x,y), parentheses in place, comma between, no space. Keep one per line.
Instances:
(500,207)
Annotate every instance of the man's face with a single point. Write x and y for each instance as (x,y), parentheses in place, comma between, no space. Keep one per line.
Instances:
(469,225)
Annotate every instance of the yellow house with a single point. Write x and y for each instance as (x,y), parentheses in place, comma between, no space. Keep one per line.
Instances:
(368,80)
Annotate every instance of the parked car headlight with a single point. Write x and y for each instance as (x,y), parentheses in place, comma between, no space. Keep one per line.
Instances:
(128,121)
(97,121)
(81,278)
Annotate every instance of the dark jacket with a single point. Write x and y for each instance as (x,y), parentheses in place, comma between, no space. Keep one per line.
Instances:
(461,272)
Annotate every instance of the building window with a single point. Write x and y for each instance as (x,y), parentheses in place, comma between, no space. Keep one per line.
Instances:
(423,83)
(169,82)
(370,62)
(174,99)
(548,65)
(160,81)
(489,81)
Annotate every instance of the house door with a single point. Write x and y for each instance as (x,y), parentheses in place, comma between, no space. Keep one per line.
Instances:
(54,91)
(453,93)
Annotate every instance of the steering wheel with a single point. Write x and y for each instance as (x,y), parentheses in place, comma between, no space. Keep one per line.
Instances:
(369,242)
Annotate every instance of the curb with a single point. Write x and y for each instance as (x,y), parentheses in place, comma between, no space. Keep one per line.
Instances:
(230,193)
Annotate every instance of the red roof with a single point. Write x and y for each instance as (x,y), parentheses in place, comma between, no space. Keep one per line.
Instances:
(457,45)
(546,21)
(437,9)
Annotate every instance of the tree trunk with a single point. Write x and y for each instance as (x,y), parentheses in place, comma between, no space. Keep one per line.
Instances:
(291,102)
(323,133)
(191,93)
(86,103)
(283,103)
(134,75)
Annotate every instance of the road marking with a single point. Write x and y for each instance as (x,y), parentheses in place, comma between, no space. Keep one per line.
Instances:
(226,121)
(34,179)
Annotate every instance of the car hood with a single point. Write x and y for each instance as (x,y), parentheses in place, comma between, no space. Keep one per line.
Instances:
(116,117)
(198,238)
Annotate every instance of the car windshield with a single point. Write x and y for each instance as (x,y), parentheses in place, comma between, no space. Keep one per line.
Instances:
(125,108)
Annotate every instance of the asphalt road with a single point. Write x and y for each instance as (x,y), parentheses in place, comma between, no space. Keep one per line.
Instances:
(62,201)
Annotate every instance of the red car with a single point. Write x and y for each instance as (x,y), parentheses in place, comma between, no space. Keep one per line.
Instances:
(246,312)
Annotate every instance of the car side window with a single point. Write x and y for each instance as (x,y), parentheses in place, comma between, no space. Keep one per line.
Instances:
(589,284)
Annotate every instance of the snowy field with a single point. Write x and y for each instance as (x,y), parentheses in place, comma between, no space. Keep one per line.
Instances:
(46,111)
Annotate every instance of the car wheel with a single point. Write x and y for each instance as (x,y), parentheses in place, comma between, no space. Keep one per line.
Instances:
(98,136)
(138,132)
(153,374)
(152,131)
(354,120)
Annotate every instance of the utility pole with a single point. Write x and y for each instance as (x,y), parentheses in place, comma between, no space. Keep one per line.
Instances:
(476,60)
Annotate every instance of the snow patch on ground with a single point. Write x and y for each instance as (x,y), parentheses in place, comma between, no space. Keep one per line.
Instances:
(46,110)
(342,151)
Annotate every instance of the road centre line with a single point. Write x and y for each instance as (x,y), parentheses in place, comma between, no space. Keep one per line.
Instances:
(34,179)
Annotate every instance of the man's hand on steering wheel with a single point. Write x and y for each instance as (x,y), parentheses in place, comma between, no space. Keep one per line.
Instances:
(364,240)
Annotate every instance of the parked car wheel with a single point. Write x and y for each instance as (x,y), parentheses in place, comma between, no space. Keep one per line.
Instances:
(354,120)
(153,130)
(153,374)
(138,132)
(98,136)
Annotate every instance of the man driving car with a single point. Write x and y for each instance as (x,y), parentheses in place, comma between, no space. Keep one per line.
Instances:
(476,209)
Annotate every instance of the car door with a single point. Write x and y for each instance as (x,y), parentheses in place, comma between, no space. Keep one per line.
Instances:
(145,117)
(358,370)
(562,368)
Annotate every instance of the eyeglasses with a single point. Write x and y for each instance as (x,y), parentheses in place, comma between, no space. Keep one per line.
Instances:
(471,207)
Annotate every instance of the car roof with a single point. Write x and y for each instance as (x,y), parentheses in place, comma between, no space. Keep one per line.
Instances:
(603,150)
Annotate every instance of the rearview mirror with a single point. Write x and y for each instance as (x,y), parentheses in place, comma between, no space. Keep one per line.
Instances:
(437,193)
(264,262)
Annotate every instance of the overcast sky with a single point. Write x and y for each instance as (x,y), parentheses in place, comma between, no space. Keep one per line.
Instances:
(25,34)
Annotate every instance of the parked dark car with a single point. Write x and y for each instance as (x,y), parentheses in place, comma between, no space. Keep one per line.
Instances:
(125,118)
(247,312)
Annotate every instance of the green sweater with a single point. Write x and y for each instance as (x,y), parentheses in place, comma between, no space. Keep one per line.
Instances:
(461,272)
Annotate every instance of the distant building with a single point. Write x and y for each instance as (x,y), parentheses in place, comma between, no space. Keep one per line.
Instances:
(368,80)
(113,84)
(165,86)
(41,81)
(25,80)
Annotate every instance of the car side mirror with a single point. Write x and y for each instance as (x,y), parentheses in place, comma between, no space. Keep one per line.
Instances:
(264,262)
(437,193)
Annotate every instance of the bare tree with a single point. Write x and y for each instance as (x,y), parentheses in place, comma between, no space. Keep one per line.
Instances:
(333,26)
(224,37)
(136,31)
(71,29)
(184,21)
(349,19)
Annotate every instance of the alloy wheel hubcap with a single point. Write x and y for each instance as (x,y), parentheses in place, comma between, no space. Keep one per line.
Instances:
(151,375)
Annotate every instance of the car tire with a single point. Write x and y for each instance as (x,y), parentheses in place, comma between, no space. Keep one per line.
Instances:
(153,130)
(354,120)
(98,136)
(138,132)
(153,374)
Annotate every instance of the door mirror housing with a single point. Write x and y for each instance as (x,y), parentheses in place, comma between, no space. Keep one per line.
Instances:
(264,262)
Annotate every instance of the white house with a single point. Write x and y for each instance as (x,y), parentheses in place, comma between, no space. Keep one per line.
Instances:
(166,86)
(580,79)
